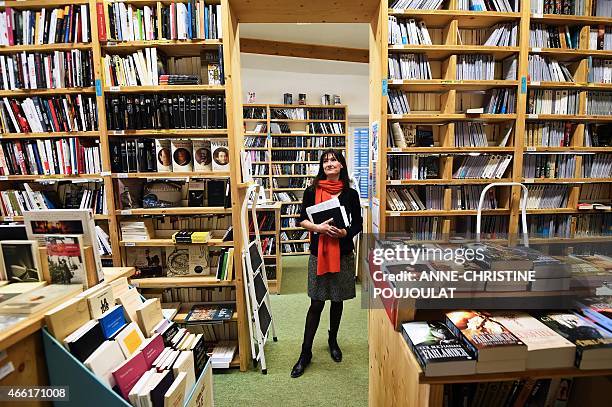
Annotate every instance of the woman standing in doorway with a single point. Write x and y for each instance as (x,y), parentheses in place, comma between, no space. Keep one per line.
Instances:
(331,266)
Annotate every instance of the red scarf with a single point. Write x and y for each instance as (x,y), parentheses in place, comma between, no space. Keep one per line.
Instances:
(329,248)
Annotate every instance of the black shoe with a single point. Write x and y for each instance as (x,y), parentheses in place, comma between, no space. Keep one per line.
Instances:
(300,366)
(334,349)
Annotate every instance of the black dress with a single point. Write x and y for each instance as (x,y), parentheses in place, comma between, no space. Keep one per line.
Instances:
(334,286)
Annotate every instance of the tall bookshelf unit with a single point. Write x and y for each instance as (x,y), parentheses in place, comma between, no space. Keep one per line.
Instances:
(395,376)
(92,137)
(443,59)
(230,89)
(274,156)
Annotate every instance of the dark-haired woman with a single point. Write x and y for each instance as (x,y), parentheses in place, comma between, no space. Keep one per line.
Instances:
(331,266)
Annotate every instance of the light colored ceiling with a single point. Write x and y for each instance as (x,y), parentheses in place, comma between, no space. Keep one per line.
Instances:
(354,35)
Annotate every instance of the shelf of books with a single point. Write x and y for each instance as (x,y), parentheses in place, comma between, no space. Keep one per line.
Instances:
(472,97)
(285,143)
(464,94)
(166,106)
(51,153)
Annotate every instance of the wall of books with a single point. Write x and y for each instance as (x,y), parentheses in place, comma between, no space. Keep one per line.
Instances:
(488,91)
(463,94)
(123,107)
(285,143)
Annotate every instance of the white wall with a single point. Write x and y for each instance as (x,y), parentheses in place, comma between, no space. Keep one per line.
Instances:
(271,76)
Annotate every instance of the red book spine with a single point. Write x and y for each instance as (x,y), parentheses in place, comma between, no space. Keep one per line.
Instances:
(20,157)
(81,151)
(21,120)
(56,125)
(101,21)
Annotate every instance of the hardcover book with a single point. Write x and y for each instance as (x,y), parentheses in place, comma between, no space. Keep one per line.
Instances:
(545,348)
(100,300)
(149,315)
(175,396)
(220,154)
(112,321)
(163,155)
(151,348)
(202,155)
(130,338)
(199,260)
(177,261)
(67,317)
(598,310)
(182,157)
(103,360)
(492,343)
(85,340)
(65,257)
(159,390)
(211,313)
(437,350)
(146,260)
(593,343)
(200,355)
(19,261)
(184,364)
(127,374)
(65,221)
(131,301)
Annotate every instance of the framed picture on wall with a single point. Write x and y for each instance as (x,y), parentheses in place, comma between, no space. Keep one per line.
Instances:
(20,261)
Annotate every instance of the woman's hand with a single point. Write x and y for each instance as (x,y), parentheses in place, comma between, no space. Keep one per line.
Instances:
(337,233)
(325,227)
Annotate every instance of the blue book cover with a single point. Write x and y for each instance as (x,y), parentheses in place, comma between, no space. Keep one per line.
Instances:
(112,321)
(206,36)
(188,22)
(39,165)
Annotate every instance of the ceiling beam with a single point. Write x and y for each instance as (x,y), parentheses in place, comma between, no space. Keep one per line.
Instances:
(292,49)
(304,11)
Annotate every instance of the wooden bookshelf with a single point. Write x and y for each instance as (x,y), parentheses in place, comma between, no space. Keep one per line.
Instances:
(449,20)
(299,128)
(393,366)
(231,88)
(10,182)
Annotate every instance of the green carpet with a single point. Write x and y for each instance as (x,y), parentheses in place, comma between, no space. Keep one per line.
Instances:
(325,383)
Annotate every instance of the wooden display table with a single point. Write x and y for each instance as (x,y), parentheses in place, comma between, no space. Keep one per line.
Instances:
(396,379)
(23,345)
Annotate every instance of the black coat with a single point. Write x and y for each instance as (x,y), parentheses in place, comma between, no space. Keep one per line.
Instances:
(351,202)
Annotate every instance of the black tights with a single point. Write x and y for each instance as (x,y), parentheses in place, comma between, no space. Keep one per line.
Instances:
(312,322)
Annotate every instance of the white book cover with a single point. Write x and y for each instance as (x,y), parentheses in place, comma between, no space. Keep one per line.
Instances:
(185,363)
(140,384)
(104,360)
(130,338)
(182,156)
(199,260)
(202,155)
(163,155)
(220,154)
(100,301)
(556,351)
(176,394)
(131,301)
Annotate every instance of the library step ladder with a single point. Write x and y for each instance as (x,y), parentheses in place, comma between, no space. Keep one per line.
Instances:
(261,322)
